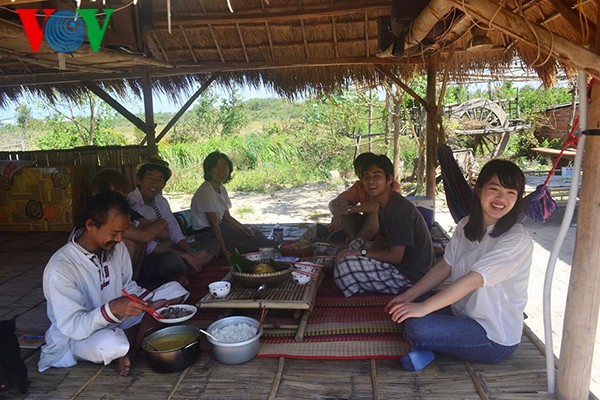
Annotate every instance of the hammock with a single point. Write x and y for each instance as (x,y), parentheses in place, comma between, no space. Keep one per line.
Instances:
(458,192)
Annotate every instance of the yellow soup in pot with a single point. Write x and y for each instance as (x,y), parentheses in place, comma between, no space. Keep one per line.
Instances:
(170,342)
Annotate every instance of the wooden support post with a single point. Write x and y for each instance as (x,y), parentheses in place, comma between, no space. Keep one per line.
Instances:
(149,113)
(583,298)
(432,129)
(187,105)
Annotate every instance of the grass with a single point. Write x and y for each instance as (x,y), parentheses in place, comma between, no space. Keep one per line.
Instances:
(244,211)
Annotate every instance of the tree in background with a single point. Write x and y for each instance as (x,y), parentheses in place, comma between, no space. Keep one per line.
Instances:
(23,120)
(88,122)
(232,116)
(200,123)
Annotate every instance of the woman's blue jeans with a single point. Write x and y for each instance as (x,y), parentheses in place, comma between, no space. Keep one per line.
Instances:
(458,337)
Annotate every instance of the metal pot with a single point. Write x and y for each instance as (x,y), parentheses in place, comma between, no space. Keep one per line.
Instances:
(173,348)
(235,353)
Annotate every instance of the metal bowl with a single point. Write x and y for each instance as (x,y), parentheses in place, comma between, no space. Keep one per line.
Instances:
(234,353)
(173,348)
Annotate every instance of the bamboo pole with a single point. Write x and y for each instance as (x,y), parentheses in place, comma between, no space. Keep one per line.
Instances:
(426,20)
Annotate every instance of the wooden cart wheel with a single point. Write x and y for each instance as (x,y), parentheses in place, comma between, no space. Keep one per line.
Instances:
(478,116)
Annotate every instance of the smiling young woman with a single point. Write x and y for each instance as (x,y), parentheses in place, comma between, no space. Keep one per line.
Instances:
(488,260)
(210,211)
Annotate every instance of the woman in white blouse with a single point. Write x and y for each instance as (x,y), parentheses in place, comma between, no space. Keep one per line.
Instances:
(488,260)
(210,210)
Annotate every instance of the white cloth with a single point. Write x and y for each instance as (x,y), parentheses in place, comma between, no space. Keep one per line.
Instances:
(78,286)
(504,264)
(207,199)
(136,202)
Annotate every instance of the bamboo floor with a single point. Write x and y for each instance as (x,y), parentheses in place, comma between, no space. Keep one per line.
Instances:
(23,257)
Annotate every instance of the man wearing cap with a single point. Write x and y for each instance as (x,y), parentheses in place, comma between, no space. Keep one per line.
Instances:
(159,264)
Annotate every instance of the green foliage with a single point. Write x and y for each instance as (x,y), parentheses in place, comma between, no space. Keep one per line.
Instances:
(232,114)
(344,111)
(533,101)
(61,136)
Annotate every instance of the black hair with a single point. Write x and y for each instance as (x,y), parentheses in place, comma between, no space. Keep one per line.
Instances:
(211,161)
(382,161)
(107,180)
(511,177)
(360,160)
(98,207)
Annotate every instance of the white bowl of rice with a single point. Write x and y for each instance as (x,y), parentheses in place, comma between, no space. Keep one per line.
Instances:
(238,339)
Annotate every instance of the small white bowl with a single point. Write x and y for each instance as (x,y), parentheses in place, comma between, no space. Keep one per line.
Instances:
(305,267)
(254,256)
(300,278)
(219,289)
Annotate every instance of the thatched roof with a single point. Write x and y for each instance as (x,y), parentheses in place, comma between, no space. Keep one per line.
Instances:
(296,47)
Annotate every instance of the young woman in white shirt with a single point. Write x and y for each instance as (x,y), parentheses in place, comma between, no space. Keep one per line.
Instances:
(488,260)
(210,210)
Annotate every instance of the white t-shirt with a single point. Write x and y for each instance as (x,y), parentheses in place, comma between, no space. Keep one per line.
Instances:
(504,264)
(207,199)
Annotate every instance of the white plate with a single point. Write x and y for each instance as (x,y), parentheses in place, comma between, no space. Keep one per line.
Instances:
(188,307)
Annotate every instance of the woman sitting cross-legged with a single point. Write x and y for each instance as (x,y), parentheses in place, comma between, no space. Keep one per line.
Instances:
(488,260)
(210,211)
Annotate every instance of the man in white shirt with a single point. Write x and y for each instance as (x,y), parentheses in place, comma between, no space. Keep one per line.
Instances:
(90,317)
(160,265)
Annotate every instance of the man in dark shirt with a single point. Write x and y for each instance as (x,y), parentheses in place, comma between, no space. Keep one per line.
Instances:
(402,251)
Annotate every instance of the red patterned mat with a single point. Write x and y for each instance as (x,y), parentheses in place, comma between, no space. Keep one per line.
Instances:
(339,328)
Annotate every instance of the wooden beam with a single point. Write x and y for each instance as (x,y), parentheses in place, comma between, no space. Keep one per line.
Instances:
(262,4)
(366,35)
(304,38)
(73,77)
(387,73)
(270,40)
(335,41)
(518,27)
(194,19)
(212,32)
(242,42)
(98,91)
(187,105)
(187,41)
(157,41)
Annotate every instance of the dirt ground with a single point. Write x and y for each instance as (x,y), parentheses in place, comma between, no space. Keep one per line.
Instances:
(309,204)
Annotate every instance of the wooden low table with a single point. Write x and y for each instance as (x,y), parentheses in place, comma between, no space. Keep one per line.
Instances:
(286,296)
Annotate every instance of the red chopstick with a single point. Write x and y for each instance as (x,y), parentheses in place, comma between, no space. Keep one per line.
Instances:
(308,264)
(150,310)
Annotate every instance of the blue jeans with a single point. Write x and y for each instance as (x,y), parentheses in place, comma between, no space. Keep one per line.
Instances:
(458,337)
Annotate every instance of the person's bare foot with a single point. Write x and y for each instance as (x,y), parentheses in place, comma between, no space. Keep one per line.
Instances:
(123,365)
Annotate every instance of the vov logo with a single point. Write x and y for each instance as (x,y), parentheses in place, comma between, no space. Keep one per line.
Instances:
(64,31)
